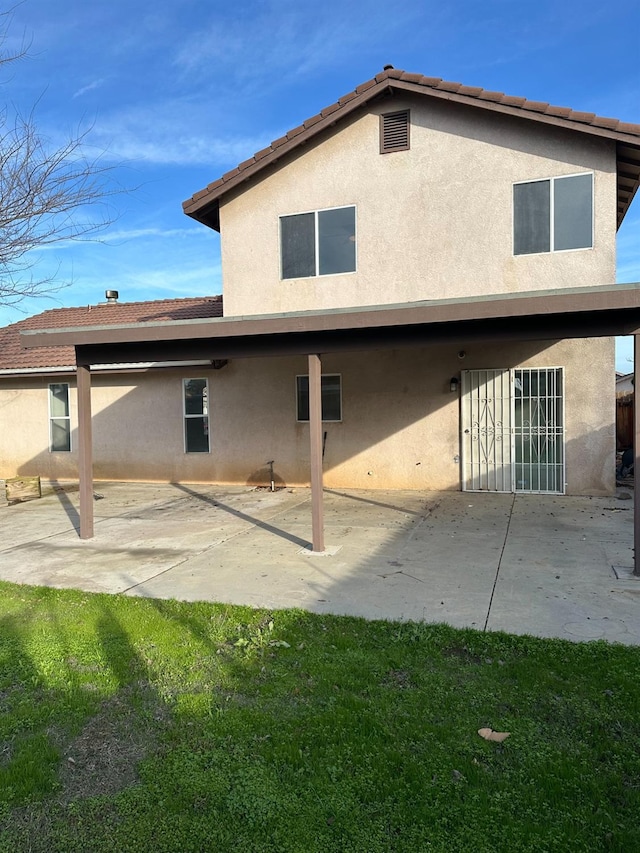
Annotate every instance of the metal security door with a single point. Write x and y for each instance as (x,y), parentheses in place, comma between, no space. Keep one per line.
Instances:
(486,431)
(538,429)
(513,430)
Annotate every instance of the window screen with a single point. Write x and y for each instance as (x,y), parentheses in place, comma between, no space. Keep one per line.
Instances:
(553,215)
(572,220)
(331,397)
(333,231)
(531,216)
(298,242)
(337,240)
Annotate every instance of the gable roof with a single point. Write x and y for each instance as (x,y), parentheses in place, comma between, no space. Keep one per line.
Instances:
(204,205)
(15,359)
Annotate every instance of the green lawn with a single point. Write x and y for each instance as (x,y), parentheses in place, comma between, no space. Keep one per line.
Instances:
(133,725)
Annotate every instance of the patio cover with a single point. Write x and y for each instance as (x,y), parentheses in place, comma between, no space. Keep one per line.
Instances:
(537,315)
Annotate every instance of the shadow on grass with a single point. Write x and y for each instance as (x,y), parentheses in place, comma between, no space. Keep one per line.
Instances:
(195,727)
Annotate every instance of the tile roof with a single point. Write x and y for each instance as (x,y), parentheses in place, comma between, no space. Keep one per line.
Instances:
(14,358)
(204,204)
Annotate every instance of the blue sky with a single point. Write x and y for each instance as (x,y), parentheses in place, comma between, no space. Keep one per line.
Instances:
(179,91)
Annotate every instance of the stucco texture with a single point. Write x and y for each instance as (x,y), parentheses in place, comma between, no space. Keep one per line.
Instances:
(432,222)
(400,422)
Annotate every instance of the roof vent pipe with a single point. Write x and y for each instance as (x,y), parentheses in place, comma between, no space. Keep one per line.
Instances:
(111,295)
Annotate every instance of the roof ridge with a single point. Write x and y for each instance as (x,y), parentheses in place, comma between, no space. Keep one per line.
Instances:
(91,306)
(199,205)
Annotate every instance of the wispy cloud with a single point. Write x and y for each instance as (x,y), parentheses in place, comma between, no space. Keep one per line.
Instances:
(95,84)
(169,133)
(285,38)
(128,235)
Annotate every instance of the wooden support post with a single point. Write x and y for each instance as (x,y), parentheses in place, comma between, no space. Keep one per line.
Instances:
(636,455)
(315,436)
(85,451)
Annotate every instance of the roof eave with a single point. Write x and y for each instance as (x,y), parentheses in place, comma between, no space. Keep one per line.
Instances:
(13,372)
(204,206)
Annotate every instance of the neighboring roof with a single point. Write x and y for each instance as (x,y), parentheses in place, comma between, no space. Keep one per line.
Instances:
(204,205)
(15,359)
(537,315)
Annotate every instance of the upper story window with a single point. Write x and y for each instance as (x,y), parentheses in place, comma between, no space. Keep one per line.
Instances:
(394,132)
(196,415)
(331,396)
(553,215)
(59,418)
(322,242)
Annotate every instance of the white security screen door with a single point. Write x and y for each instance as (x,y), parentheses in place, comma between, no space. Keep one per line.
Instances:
(513,430)
(538,429)
(486,431)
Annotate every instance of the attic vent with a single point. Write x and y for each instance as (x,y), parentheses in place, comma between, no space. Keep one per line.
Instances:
(394,132)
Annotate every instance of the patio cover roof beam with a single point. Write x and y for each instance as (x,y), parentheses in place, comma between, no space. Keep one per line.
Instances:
(574,312)
(349,340)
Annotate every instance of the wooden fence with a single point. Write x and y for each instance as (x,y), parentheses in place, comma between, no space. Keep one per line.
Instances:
(624,421)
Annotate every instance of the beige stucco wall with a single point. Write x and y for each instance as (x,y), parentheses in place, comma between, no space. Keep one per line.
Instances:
(432,222)
(400,426)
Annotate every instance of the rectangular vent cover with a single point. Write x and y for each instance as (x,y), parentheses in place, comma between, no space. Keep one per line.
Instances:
(394,132)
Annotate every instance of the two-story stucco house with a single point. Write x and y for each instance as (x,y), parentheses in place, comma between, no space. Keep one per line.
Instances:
(432,244)
(411,189)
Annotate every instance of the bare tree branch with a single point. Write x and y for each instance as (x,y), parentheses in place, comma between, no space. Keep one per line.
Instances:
(48,194)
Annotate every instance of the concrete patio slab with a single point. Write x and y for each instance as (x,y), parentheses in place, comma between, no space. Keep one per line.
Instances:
(526,564)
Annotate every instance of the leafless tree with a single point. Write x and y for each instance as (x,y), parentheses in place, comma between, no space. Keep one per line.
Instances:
(49,193)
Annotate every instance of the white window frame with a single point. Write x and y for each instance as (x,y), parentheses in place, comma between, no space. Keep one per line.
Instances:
(317,273)
(53,418)
(205,414)
(323,376)
(552,181)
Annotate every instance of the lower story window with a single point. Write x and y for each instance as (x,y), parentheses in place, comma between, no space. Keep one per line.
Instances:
(59,419)
(196,415)
(331,397)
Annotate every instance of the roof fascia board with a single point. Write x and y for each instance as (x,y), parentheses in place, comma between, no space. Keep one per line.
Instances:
(38,371)
(458,334)
(197,205)
(204,205)
(130,367)
(517,112)
(578,300)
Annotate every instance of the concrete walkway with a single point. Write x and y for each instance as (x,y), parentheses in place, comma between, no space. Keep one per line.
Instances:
(527,564)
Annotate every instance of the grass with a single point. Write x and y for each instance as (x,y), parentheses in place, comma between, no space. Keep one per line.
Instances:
(133,725)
